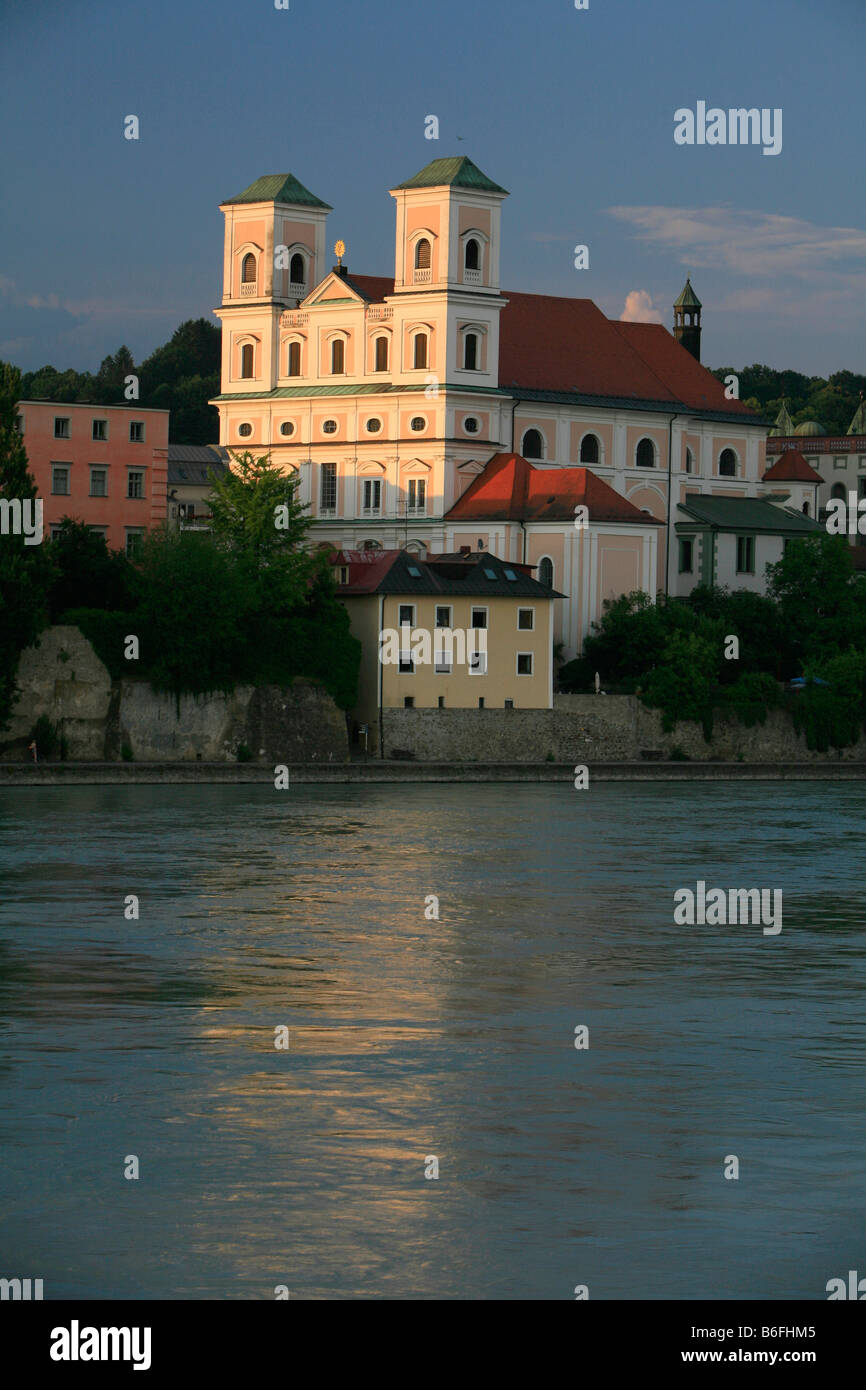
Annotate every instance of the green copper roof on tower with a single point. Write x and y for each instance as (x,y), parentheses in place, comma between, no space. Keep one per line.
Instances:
(784,424)
(458,171)
(279,188)
(858,424)
(687,298)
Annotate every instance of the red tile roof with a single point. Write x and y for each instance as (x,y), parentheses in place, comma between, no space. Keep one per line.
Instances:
(366,567)
(511,489)
(548,343)
(792,468)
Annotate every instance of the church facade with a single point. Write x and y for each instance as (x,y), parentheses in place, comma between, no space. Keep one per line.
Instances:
(432,409)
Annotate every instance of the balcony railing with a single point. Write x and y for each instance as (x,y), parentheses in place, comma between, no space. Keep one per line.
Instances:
(297,290)
(248,289)
(422,277)
(472,277)
(294,318)
(380,311)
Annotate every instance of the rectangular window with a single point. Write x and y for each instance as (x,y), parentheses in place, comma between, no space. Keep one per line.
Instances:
(477,662)
(55,532)
(479,617)
(443,652)
(509,704)
(417,494)
(133,541)
(524,663)
(408,701)
(840,463)
(861,461)
(480,701)
(329,487)
(443,616)
(406,614)
(344,574)
(60,480)
(99,482)
(100,429)
(135,483)
(99,530)
(686,556)
(861,490)
(372,495)
(61,427)
(525,619)
(136,431)
(441,701)
(745,554)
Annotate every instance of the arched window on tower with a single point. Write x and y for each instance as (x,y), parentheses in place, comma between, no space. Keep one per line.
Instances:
(247,360)
(382,353)
(473,255)
(545,572)
(645,454)
(294,359)
(727,464)
(338,356)
(533,445)
(420,351)
(422,254)
(248,269)
(589,451)
(470,352)
(297,270)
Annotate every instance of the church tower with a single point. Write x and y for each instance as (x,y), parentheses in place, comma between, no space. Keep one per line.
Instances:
(687,320)
(274,254)
(446,269)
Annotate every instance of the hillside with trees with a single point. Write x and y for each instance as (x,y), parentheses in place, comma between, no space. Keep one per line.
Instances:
(181,376)
(831,401)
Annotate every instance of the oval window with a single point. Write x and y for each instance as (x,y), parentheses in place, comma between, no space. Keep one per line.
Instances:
(245,430)
(417,422)
(470,424)
(373,425)
(287,427)
(329,427)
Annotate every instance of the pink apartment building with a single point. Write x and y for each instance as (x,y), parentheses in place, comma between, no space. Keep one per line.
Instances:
(106,465)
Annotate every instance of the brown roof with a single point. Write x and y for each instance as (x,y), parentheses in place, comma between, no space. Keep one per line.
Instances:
(511,489)
(792,468)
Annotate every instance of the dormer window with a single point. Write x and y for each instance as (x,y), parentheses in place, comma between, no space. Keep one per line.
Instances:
(248,269)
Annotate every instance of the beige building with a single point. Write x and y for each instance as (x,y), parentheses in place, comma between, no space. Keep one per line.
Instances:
(462,631)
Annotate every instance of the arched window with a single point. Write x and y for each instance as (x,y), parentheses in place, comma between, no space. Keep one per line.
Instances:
(338,356)
(533,445)
(589,451)
(470,352)
(382,354)
(838,490)
(297,270)
(690,461)
(645,454)
(727,464)
(247,360)
(420,350)
(371,545)
(473,255)
(248,269)
(294,359)
(545,572)
(422,254)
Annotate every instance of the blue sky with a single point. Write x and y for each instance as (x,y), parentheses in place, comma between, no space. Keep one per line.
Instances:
(104,240)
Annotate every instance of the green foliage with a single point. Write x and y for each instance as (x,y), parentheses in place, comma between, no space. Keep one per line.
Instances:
(678,754)
(26,571)
(821,602)
(244,753)
(832,401)
(750,697)
(126,753)
(833,715)
(88,574)
(683,683)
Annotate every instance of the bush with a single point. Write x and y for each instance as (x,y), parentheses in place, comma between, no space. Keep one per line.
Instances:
(126,753)
(244,753)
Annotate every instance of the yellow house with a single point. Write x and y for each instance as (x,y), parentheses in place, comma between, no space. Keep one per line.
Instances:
(460,631)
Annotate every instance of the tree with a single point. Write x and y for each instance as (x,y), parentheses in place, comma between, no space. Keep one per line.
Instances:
(822,604)
(88,574)
(25,570)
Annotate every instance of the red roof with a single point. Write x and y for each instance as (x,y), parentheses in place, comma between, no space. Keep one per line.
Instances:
(511,489)
(366,567)
(792,468)
(548,343)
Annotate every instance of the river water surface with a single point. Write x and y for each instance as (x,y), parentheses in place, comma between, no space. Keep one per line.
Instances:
(412,1038)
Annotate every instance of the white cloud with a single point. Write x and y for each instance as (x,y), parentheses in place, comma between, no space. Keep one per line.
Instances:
(746,241)
(639,308)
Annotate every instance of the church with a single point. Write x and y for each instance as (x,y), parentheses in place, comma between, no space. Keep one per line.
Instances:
(433,409)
